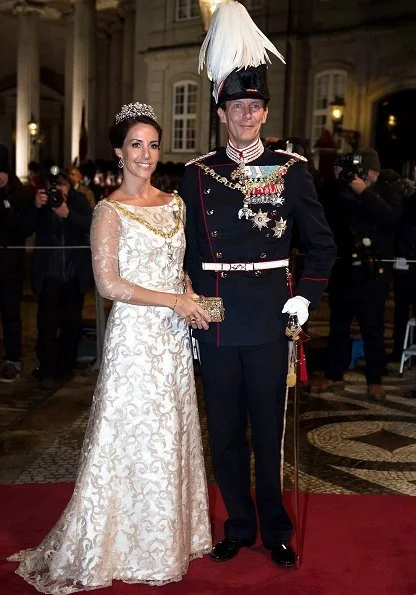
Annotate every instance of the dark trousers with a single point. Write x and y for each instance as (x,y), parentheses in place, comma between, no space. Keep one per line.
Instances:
(11,286)
(241,383)
(404,284)
(368,308)
(59,325)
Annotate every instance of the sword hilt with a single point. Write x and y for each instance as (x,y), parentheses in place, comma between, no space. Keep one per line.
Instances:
(294,331)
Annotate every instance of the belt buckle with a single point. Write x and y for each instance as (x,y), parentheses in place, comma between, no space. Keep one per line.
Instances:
(237,266)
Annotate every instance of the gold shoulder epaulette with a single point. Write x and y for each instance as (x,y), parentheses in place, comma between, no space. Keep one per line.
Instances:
(294,155)
(191,161)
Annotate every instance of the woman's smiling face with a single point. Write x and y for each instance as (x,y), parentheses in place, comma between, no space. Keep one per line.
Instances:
(140,151)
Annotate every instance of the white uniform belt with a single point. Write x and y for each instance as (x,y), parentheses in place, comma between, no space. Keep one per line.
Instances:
(245,266)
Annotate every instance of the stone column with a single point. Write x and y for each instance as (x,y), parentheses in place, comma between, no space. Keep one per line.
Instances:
(141,35)
(28,91)
(103,148)
(68,19)
(84,77)
(114,72)
(128,52)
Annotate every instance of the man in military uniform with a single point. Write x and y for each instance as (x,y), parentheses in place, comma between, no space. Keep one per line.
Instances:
(242,202)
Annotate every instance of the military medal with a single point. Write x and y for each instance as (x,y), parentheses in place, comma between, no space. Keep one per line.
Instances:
(238,173)
(245,212)
(260,219)
(279,228)
(260,185)
(263,184)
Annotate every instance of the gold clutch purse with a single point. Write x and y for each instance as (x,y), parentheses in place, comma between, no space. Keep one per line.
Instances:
(214,306)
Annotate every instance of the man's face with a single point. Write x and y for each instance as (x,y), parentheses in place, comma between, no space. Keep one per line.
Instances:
(243,118)
(371,177)
(4,178)
(63,186)
(75,176)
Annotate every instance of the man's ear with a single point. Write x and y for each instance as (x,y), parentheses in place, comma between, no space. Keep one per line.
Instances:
(221,115)
(266,113)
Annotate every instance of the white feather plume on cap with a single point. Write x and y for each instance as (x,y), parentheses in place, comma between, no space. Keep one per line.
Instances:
(233,41)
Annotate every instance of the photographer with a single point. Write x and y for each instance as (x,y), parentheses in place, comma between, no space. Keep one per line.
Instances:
(14,198)
(364,217)
(61,218)
(404,273)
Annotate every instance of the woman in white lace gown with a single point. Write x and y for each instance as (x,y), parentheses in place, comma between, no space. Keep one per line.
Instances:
(139,511)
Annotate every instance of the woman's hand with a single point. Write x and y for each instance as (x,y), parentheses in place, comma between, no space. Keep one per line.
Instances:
(193,314)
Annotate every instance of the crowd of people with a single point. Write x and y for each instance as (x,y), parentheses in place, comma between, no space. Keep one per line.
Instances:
(372,213)
(373,219)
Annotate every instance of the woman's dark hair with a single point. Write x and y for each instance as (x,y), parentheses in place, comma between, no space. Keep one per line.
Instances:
(118,132)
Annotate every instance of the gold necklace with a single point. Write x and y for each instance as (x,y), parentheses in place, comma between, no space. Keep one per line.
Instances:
(221,179)
(245,184)
(159,232)
(167,235)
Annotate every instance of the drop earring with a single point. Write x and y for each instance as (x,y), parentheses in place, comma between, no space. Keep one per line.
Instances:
(121,163)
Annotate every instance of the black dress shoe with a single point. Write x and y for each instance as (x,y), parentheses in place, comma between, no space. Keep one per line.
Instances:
(283,555)
(227,549)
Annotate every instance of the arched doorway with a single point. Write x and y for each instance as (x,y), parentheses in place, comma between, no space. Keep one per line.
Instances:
(395,131)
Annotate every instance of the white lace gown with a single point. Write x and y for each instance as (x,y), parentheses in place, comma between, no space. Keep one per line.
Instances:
(139,511)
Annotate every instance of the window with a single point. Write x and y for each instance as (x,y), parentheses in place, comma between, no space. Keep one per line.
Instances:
(184,116)
(328,85)
(187,9)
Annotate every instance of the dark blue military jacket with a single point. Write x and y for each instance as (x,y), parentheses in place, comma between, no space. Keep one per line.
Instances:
(253,300)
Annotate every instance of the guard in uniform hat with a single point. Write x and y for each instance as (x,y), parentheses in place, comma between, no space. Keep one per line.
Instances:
(242,202)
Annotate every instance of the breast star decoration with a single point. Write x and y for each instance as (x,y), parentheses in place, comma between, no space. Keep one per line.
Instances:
(279,228)
(260,220)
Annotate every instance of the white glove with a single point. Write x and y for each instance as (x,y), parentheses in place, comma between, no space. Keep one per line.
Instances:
(297,305)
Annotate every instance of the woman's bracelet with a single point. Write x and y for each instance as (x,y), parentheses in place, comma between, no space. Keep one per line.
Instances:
(176,302)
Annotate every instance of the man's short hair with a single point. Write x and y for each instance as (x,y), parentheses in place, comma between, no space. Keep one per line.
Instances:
(369,159)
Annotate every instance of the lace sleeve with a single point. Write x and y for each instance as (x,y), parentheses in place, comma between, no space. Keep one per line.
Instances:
(105,234)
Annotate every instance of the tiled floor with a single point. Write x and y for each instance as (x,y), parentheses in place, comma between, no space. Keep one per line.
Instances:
(347,443)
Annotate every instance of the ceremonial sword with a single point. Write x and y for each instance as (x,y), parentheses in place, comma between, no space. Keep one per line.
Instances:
(296,371)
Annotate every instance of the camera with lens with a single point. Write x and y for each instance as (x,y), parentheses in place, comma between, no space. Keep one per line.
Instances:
(351,167)
(51,180)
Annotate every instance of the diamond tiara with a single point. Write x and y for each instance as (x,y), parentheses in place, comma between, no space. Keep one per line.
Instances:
(132,110)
